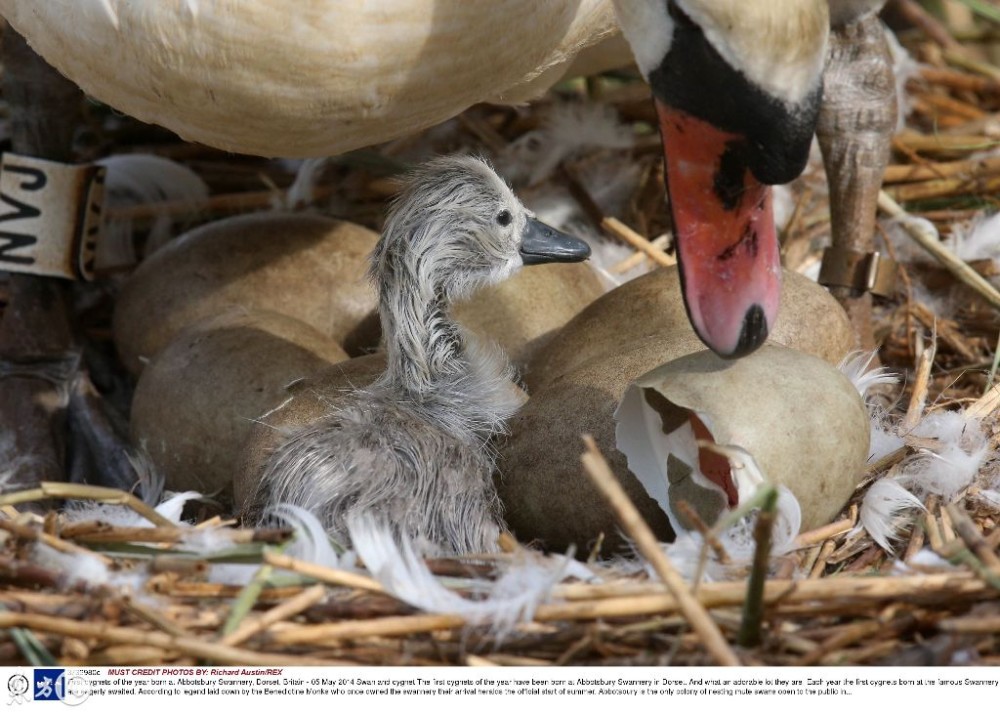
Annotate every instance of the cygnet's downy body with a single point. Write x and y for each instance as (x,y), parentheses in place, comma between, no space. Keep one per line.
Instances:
(412,451)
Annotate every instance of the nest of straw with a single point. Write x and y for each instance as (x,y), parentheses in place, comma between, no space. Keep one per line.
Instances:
(837,598)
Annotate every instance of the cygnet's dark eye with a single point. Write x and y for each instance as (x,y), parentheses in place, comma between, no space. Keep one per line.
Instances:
(504,218)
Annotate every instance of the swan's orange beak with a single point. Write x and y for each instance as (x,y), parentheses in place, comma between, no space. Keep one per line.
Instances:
(727,247)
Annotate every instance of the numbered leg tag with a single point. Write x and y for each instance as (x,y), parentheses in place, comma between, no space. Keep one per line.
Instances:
(50,216)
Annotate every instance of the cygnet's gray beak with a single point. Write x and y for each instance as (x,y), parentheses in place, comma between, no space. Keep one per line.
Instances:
(541,243)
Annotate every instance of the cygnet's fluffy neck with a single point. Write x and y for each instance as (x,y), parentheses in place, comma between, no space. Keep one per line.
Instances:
(465,385)
(456,380)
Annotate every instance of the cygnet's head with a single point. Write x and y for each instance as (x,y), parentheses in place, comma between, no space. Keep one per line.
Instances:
(456,226)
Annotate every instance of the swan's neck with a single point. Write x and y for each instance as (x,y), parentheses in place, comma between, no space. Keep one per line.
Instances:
(432,362)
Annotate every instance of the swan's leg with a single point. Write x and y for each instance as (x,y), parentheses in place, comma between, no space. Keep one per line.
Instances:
(855,129)
(40,375)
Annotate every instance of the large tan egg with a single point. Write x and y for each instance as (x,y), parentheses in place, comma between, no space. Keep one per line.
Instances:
(809,319)
(308,267)
(521,314)
(802,421)
(291,408)
(197,400)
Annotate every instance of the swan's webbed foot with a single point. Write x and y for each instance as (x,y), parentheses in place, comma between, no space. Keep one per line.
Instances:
(855,129)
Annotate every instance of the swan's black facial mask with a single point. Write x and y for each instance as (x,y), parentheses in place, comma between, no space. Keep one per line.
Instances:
(541,243)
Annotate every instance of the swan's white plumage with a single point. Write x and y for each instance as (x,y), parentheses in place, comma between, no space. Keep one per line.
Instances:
(338,75)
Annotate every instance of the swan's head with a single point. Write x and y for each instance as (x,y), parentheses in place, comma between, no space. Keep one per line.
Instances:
(456,226)
(737,86)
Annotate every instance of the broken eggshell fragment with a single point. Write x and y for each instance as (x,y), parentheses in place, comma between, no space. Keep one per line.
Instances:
(801,420)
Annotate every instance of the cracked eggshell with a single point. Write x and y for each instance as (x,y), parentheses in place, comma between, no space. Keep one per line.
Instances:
(293,407)
(577,380)
(546,495)
(521,314)
(801,419)
(196,401)
(310,268)
(809,319)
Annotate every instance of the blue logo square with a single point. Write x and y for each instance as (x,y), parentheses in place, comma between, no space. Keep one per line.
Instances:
(48,684)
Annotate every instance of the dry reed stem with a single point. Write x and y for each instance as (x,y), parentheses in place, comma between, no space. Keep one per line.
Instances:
(709,535)
(153,617)
(286,610)
(959,57)
(601,476)
(636,258)
(947,529)
(915,544)
(934,538)
(949,105)
(30,533)
(910,173)
(76,491)
(985,404)
(971,625)
(929,242)
(960,81)
(819,566)
(857,632)
(945,144)
(973,538)
(619,230)
(944,187)
(814,537)
(921,386)
(336,577)
(928,24)
(947,331)
(126,655)
(211,590)
(334,634)
(186,645)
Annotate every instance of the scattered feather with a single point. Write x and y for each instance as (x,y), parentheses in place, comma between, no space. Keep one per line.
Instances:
(526,583)
(12,461)
(925,559)
(302,192)
(688,549)
(856,367)
(904,68)
(884,503)
(311,544)
(883,437)
(992,497)
(783,202)
(141,179)
(946,473)
(76,567)
(906,248)
(150,483)
(977,239)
